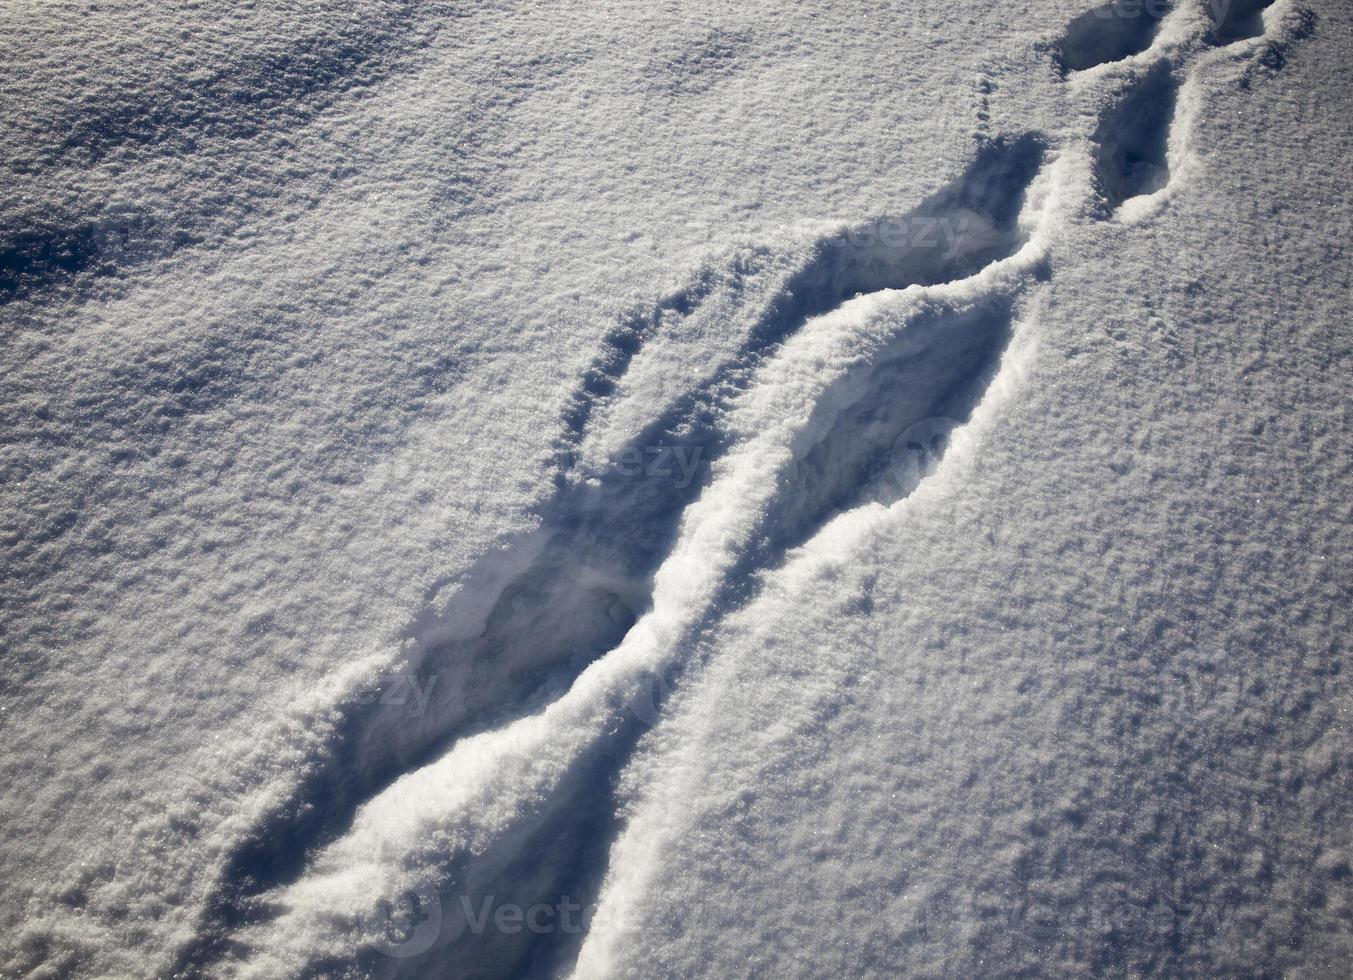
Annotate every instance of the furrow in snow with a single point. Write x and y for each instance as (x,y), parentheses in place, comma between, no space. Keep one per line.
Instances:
(562,649)
(535,615)
(836,397)
(633,862)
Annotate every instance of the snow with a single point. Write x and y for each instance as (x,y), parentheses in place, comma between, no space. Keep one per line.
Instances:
(607,490)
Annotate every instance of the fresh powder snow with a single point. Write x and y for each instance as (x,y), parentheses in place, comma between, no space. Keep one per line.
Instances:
(517,489)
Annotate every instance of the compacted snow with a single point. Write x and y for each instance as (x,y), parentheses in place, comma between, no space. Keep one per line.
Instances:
(616,489)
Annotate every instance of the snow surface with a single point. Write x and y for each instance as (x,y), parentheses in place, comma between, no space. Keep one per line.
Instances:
(619,489)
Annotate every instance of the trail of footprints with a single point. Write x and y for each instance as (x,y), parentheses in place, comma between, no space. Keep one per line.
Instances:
(930,326)
(1131,141)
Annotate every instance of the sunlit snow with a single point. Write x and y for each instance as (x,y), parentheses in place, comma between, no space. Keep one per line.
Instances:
(513,489)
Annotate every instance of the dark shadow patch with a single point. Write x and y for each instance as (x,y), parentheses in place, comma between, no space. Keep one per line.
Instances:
(48,255)
(1236,20)
(1108,33)
(31,259)
(1132,139)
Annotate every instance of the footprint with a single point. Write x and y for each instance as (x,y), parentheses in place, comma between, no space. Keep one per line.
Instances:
(1236,20)
(1112,32)
(1130,144)
(937,368)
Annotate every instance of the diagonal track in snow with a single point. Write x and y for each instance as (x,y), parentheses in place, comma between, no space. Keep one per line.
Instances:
(807,438)
(577,629)
(571,590)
